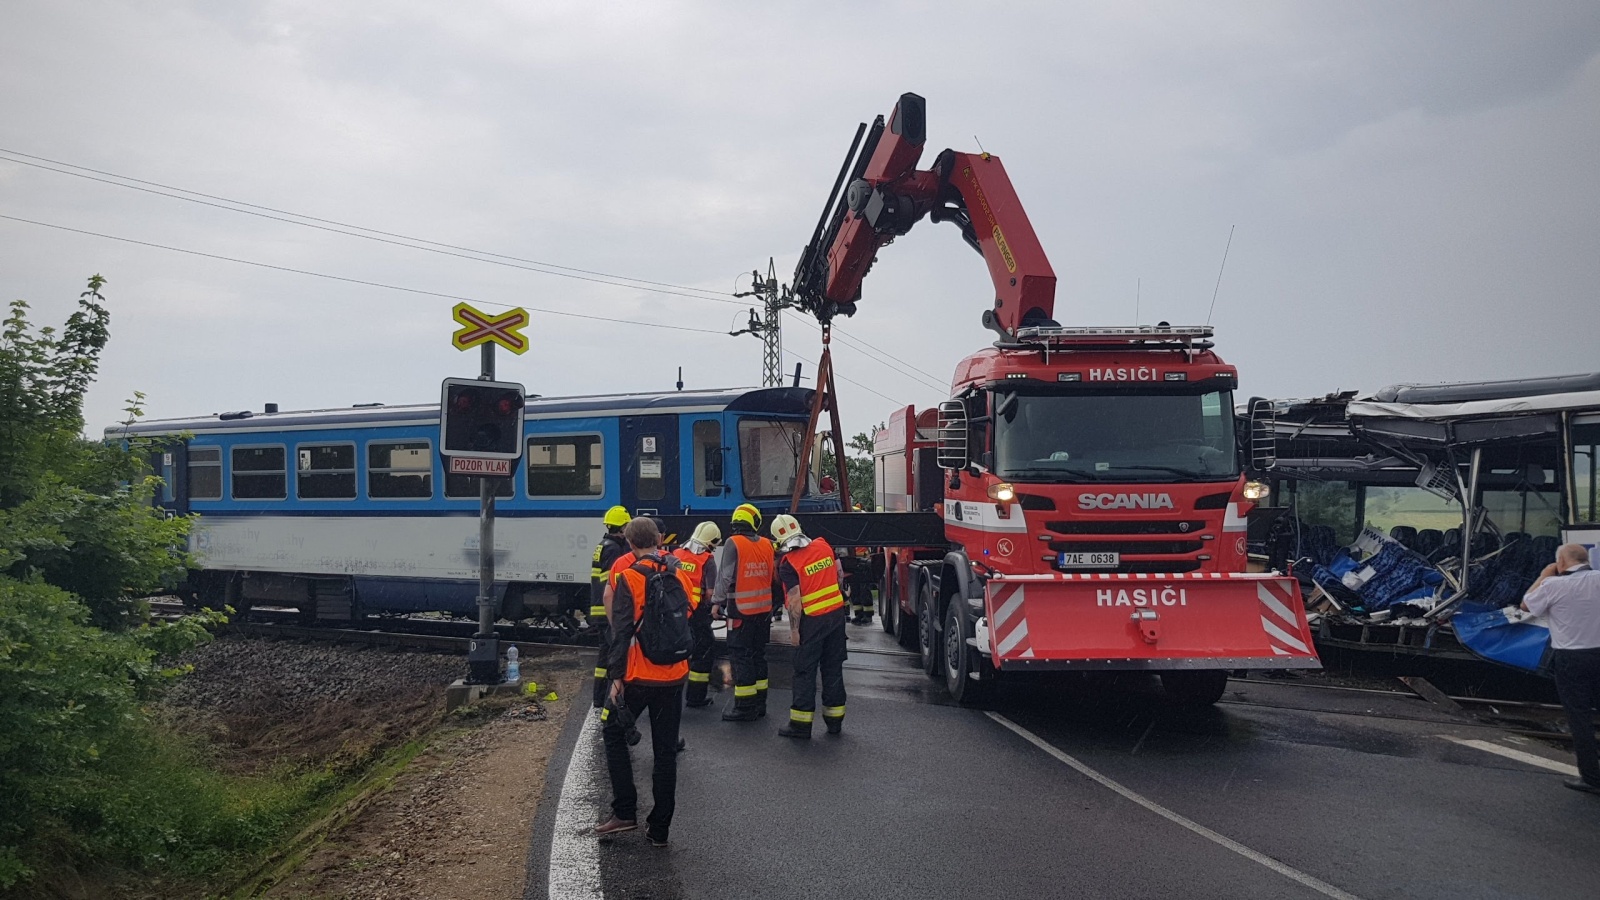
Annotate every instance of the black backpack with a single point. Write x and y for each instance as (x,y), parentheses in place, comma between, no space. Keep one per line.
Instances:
(663,628)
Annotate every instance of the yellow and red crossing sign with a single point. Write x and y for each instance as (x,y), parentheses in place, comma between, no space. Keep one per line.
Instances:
(478,327)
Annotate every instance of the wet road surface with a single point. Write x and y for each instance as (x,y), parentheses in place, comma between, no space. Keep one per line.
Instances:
(1280,791)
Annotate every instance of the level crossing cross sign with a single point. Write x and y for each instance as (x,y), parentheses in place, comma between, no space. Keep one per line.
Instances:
(478,327)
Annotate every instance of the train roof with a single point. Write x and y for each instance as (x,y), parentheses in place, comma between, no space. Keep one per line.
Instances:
(775,400)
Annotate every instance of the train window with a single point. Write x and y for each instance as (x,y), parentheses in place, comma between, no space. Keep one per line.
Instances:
(768,456)
(465,487)
(325,472)
(706,435)
(399,470)
(205,473)
(259,474)
(566,466)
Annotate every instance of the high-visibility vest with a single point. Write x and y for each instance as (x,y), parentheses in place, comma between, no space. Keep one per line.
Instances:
(599,573)
(618,567)
(694,566)
(640,668)
(752,582)
(819,578)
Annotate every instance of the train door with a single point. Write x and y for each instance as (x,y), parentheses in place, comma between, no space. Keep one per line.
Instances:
(168,464)
(650,469)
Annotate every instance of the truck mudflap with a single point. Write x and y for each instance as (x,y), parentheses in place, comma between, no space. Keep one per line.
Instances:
(1196,620)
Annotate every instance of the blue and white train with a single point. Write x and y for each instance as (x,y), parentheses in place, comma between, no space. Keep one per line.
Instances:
(345,512)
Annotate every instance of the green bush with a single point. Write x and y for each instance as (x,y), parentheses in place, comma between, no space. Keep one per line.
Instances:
(86,776)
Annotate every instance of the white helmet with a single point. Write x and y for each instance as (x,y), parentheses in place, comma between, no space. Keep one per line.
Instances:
(786,531)
(705,535)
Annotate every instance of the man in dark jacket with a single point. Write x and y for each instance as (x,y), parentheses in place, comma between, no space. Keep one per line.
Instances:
(638,685)
(611,547)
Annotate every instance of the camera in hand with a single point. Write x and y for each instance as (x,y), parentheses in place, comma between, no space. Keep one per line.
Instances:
(623,716)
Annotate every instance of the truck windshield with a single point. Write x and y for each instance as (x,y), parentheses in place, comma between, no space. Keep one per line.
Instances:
(1115,437)
(769,453)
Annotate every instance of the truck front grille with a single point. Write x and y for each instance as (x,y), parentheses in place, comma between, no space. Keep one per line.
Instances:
(1145,545)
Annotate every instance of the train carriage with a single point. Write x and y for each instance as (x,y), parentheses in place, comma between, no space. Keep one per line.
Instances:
(346,512)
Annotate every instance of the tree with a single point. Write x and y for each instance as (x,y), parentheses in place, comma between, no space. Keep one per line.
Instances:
(80,542)
(858,467)
(76,513)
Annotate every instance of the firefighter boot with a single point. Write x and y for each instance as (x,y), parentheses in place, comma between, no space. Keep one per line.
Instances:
(744,707)
(695,696)
(761,699)
(835,723)
(799,725)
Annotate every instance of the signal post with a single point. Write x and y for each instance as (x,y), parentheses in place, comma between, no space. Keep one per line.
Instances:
(480,435)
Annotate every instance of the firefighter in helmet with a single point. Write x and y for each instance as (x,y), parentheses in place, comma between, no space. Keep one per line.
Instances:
(744,591)
(811,578)
(611,547)
(696,559)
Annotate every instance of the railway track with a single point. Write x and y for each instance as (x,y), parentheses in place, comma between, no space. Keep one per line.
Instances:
(451,636)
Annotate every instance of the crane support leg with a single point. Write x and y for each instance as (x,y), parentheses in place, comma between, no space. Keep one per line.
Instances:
(825,398)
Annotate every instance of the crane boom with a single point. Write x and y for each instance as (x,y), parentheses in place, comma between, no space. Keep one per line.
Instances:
(888,194)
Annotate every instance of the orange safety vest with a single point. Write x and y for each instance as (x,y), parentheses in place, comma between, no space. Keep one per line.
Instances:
(617,568)
(819,578)
(640,668)
(752,583)
(693,565)
(620,566)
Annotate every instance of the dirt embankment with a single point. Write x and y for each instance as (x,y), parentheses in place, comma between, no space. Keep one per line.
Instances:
(453,821)
(265,703)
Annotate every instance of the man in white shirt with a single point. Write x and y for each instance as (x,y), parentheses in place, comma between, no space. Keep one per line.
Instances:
(1567,595)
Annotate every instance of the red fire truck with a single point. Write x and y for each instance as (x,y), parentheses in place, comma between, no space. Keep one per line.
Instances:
(1088,479)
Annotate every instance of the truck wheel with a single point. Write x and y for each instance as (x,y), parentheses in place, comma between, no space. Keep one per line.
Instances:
(927,634)
(1190,688)
(961,661)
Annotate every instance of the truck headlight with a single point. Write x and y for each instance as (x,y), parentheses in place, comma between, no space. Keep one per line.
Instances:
(1256,490)
(1002,491)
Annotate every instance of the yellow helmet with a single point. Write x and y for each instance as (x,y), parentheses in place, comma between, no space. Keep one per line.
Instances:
(707,533)
(785,527)
(617,516)
(749,515)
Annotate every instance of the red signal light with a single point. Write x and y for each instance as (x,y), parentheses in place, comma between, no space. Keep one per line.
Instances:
(462,401)
(506,405)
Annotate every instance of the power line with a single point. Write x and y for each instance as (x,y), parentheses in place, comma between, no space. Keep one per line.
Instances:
(855,382)
(874,354)
(863,346)
(543,268)
(417,243)
(376,284)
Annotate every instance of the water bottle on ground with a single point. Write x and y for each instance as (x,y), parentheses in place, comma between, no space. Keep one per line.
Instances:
(513,667)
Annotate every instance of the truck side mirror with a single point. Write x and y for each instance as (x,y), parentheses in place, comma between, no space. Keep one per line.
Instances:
(953,451)
(1263,448)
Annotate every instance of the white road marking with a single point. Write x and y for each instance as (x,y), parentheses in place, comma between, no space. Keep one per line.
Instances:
(1287,871)
(574,853)
(1513,753)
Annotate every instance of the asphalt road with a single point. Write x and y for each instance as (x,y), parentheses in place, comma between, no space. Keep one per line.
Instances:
(1281,791)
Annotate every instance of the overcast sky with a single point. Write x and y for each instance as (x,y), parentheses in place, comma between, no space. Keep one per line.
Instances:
(1415,187)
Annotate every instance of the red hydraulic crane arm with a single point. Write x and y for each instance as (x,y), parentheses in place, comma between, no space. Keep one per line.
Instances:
(888,194)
